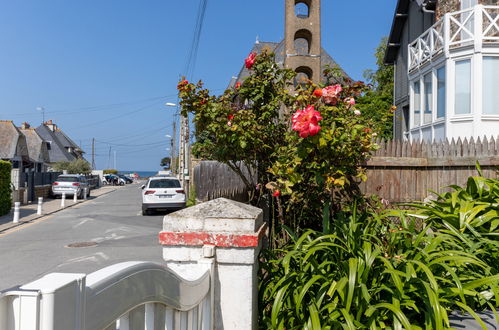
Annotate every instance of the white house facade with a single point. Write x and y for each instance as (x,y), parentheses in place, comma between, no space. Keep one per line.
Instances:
(453,71)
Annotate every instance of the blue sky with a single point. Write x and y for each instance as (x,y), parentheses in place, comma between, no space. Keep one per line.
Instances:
(103,69)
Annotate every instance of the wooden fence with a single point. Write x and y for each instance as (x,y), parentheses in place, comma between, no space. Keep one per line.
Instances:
(398,171)
(213,180)
(403,171)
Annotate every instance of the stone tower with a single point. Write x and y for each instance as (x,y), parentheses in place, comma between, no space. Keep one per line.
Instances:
(303,38)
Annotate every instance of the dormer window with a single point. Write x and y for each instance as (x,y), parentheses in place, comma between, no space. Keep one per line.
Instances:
(49,145)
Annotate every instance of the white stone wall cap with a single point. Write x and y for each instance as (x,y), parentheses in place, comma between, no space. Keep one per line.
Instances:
(219,215)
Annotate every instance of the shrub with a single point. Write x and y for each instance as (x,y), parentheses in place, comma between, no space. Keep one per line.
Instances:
(110,171)
(367,272)
(5,189)
(77,166)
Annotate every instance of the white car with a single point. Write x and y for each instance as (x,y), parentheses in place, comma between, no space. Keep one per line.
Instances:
(162,193)
(70,184)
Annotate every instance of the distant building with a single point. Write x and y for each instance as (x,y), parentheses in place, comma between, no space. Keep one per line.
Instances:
(37,149)
(301,48)
(60,146)
(446,58)
(13,146)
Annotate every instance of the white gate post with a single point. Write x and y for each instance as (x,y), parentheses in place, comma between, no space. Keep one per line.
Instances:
(63,199)
(235,231)
(39,210)
(75,197)
(17,211)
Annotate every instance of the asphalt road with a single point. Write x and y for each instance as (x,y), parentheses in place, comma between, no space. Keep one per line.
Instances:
(113,221)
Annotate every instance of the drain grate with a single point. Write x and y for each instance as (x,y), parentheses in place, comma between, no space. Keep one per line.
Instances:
(81,244)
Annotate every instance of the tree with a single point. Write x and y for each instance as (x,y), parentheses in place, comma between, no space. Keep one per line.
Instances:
(166,162)
(77,166)
(378,100)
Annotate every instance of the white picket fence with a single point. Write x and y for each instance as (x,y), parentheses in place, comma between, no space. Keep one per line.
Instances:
(124,296)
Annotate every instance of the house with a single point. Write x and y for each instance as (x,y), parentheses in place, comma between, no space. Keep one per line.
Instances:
(37,149)
(60,146)
(301,48)
(446,58)
(14,148)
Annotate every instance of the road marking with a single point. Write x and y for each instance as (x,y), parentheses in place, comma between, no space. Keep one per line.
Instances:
(92,257)
(113,236)
(80,223)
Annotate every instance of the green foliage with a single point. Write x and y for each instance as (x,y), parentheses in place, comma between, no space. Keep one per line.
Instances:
(251,124)
(165,162)
(377,102)
(367,272)
(470,215)
(77,166)
(110,171)
(5,187)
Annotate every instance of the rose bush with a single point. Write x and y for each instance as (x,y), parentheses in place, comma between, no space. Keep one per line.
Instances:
(304,144)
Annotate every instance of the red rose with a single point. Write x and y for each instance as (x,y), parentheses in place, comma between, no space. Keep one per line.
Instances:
(276,193)
(230,117)
(238,84)
(182,83)
(318,93)
(250,60)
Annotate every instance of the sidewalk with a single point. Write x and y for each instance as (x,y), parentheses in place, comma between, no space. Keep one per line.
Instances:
(50,206)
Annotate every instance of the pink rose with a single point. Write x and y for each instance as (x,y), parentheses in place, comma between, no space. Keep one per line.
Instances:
(330,94)
(250,60)
(306,121)
(350,101)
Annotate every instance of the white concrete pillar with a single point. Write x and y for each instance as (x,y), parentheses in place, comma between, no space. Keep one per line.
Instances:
(231,233)
(63,200)
(85,193)
(39,210)
(17,211)
(75,197)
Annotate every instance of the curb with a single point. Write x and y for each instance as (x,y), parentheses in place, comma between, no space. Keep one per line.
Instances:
(20,223)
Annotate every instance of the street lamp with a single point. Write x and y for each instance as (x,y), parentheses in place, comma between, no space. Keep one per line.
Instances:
(169,104)
(42,109)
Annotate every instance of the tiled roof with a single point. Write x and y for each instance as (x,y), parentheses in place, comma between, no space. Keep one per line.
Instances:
(12,142)
(279,50)
(37,147)
(57,152)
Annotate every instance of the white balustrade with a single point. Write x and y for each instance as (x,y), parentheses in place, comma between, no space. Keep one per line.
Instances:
(475,26)
(129,295)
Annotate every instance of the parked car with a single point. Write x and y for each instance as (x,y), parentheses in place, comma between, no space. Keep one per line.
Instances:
(162,193)
(124,177)
(70,184)
(114,180)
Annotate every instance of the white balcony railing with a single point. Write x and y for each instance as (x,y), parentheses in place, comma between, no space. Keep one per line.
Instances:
(129,295)
(473,27)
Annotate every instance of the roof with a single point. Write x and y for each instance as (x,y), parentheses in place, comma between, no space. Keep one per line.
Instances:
(279,51)
(12,141)
(398,23)
(399,19)
(37,147)
(57,151)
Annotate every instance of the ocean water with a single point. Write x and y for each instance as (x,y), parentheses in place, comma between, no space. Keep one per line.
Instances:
(142,174)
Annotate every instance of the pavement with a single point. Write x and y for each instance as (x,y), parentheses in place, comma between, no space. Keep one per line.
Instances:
(82,238)
(50,206)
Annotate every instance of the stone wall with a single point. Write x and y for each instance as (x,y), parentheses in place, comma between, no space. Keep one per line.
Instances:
(447,6)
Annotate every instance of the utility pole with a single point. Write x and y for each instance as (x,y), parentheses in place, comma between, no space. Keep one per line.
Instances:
(172,149)
(109,158)
(93,153)
(181,153)
(184,153)
(115,160)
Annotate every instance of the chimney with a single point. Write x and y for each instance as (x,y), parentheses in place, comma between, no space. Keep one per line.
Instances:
(51,125)
(25,125)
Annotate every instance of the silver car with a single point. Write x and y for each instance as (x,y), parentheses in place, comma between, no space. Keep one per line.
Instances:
(70,184)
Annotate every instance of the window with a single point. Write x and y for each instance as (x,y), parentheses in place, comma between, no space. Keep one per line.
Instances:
(462,98)
(490,85)
(428,97)
(164,183)
(301,10)
(441,92)
(417,103)
(465,4)
(49,145)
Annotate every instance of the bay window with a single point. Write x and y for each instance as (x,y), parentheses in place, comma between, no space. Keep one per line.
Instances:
(462,98)
(490,85)
(428,97)
(417,103)
(441,92)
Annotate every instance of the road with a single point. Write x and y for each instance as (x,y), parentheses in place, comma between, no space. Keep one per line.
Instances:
(113,221)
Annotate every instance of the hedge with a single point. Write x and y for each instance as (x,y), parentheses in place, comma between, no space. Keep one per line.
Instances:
(5,192)
(110,171)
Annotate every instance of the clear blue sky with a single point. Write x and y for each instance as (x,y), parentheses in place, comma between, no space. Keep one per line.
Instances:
(103,69)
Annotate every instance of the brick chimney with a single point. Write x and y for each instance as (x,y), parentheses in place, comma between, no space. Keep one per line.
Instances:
(51,125)
(25,125)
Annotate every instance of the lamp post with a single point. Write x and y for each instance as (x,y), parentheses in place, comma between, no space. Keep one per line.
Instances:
(173,142)
(42,109)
